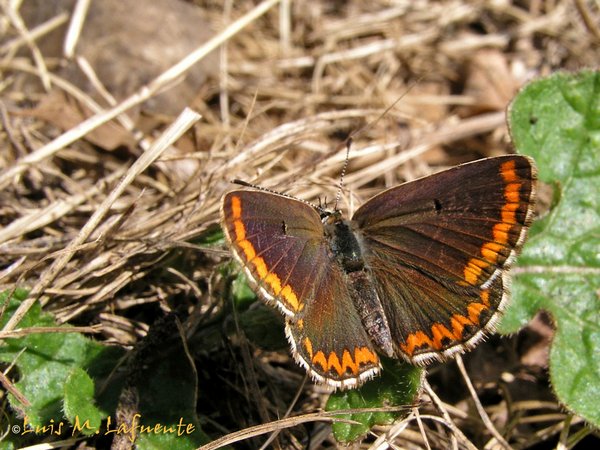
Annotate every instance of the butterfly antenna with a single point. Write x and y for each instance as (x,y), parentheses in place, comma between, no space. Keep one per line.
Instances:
(271,191)
(362,130)
(338,196)
(388,109)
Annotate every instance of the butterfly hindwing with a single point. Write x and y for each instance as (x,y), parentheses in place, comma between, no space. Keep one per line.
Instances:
(431,319)
(328,337)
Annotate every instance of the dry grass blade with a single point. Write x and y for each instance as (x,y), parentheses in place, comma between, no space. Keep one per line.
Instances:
(33,330)
(289,422)
(484,417)
(74,31)
(186,120)
(142,95)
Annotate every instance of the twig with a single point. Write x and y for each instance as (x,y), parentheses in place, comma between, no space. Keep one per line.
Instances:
(484,416)
(75,26)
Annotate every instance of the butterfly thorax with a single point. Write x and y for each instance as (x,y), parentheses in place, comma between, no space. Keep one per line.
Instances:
(343,242)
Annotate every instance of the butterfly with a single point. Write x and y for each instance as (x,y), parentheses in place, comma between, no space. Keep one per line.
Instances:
(419,273)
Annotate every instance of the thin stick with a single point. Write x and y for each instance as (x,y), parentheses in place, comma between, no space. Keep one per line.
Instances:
(275,433)
(484,417)
(10,8)
(257,430)
(224,77)
(447,420)
(75,27)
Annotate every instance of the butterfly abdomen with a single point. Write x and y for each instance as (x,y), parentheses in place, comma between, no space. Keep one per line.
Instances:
(347,252)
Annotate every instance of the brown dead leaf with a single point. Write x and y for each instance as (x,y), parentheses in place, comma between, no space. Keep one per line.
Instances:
(489,82)
(128,43)
(56,109)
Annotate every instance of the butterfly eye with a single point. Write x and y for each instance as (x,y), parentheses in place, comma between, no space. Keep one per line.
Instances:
(437,205)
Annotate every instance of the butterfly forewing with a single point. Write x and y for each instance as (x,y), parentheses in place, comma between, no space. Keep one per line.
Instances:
(273,242)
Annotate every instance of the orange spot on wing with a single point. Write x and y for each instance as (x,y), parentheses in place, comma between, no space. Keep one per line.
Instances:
(474,310)
(512,192)
(439,331)
(458,323)
(348,364)
(333,362)
(490,251)
(275,283)
(485,296)
(236,207)
(473,270)
(508,213)
(309,348)
(290,296)
(240,230)
(319,359)
(248,249)
(471,275)
(500,232)
(261,269)
(507,170)
(365,356)
(415,340)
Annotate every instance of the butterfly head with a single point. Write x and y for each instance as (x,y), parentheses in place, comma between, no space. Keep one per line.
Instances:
(330,216)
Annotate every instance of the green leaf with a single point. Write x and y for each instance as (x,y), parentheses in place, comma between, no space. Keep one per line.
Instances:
(263,326)
(243,295)
(45,362)
(212,236)
(79,402)
(557,121)
(398,386)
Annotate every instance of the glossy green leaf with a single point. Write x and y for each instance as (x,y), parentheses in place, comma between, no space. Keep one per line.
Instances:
(397,386)
(557,121)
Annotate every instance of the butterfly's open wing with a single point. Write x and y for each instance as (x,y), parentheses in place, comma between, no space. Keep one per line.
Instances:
(439,248)
(281,245)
